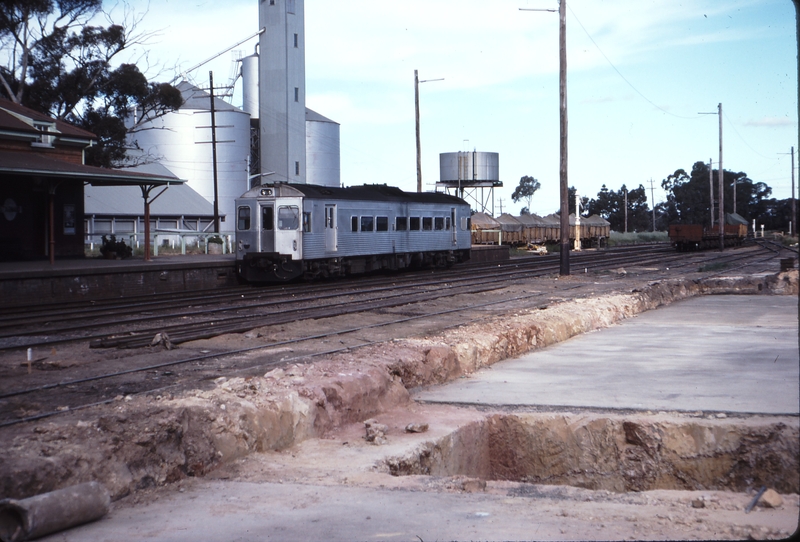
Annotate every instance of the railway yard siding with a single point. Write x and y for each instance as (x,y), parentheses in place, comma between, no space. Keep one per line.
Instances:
(148,441)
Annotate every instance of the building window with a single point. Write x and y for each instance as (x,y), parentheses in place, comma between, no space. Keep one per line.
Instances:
(297,168)
(295,41)
(290,6)
(296,94)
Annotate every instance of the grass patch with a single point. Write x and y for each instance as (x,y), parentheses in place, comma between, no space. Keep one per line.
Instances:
(618,239)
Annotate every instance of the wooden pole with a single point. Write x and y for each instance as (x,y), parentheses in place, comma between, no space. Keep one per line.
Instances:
(52,232)
(711,187)
(214,152)
(562,55)
(416,118)
(721,186)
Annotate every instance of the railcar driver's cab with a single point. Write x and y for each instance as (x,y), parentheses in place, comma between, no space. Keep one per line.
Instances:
(270,223)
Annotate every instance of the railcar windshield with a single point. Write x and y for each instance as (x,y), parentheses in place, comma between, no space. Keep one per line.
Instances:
(288,217)
(244,218)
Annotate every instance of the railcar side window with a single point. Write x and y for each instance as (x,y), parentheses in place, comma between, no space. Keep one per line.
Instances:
(438,223)
(353,223)
(244,219)
(464,223)
(367,223)
(381,223)
(447,223)
(414,223)
(427,223)
(267,218)
(401,223)
(288,217)
(306,222)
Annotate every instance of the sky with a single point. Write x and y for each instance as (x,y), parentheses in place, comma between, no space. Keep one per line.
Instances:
(639,75)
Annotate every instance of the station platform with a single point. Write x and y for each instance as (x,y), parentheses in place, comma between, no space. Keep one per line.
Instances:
(39,282)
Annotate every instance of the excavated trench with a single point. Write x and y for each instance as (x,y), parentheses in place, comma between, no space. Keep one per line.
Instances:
(618,454)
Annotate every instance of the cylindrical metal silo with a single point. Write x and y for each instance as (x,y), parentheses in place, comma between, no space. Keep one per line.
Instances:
(474,166)
(250,85)
(181,141)
(322,150)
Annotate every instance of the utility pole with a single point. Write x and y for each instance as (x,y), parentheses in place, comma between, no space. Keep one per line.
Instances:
(794,207)
(721,186)
(562,87)
(793,221)
(711,187)
(416,116)
(214,150)
(653,197)
(626,209)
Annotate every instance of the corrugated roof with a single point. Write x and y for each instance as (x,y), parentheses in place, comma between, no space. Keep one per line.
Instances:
(177,200)
(64,127)
(314,116)
(29,164)
(196,98)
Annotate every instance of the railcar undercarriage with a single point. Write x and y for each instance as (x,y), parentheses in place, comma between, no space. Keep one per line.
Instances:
(273,267)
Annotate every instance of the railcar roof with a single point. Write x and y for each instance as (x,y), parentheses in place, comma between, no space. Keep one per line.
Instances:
(373,192)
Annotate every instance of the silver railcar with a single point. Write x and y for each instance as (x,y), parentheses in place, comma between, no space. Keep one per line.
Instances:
(284,231)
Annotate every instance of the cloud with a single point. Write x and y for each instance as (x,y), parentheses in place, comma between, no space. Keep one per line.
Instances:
(771,122)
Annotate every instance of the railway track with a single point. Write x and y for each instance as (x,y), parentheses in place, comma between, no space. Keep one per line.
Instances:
(397,299)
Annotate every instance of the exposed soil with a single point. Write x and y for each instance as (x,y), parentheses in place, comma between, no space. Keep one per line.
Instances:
(305,422)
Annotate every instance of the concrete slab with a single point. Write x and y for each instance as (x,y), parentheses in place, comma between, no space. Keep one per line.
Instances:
(736,354)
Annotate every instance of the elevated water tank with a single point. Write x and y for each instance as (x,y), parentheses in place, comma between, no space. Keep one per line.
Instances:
(469,167)
(322,150)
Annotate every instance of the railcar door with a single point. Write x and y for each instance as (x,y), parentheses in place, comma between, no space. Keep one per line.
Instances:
(331,241)
(454,225)
(288,233)
(267,227)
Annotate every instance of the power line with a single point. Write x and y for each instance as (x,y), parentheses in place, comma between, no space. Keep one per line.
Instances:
(648,100)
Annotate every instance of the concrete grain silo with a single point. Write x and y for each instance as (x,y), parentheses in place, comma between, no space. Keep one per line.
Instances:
(322,150)
(181,142)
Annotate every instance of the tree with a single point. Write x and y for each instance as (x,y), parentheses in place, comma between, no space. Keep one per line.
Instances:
(59,64)
(526,188)
(611,206)
(689,195)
